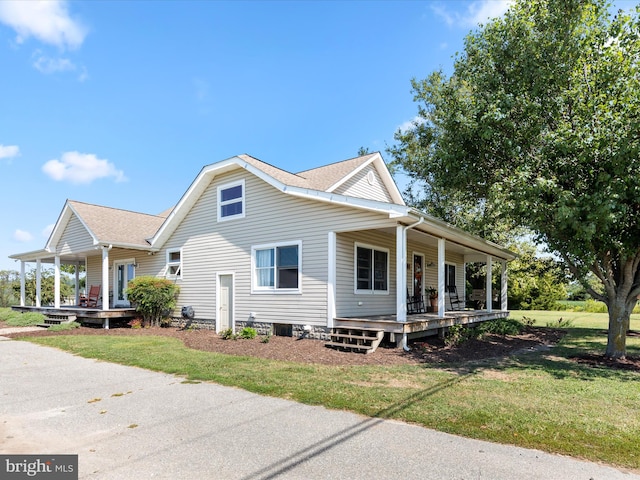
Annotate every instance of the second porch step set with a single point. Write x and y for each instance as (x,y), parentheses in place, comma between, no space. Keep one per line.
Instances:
(51,319)
(364,340)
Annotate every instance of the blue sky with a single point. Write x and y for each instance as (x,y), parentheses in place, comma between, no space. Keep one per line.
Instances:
(122,103)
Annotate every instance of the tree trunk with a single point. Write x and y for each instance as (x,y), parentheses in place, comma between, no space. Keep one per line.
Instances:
(619,318)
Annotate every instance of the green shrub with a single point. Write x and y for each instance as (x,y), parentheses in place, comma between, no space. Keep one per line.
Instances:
(456,335)
(561,323)
(500,326)
(64,326)
(228,334)
(248,333)
(153,297)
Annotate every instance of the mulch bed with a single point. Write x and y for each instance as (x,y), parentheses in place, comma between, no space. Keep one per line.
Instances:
(430,350)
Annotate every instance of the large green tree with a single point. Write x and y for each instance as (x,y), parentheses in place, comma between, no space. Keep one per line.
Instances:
(539,124)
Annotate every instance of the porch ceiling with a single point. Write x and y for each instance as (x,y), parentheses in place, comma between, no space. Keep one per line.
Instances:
(431,241)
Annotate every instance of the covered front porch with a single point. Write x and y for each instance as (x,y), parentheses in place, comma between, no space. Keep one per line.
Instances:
(419,325)
(95,316)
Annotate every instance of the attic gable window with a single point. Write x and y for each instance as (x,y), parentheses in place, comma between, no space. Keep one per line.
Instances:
(231,201)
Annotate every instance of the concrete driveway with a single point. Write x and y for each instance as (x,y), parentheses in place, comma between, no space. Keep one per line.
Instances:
(129,423)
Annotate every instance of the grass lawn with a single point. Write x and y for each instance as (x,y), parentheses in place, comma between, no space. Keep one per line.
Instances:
(538,400)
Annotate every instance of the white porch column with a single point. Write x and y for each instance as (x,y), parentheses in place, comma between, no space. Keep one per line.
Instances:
(105,279)
(503,287)
(488,284)
(331,279)
(23,289)
(77,301)
(56,283)
(105,282)
(401,274)
(441,292)
(38,283)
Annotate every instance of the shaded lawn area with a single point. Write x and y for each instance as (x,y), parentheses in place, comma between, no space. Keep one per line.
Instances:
(542,400)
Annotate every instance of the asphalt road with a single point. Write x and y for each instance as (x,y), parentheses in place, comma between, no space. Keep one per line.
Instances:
(129,423)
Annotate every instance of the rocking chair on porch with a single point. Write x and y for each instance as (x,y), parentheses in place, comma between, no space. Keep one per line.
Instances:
(415,304)
(456,303)
(91,300)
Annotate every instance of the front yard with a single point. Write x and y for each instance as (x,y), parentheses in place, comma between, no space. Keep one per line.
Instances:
(545,399)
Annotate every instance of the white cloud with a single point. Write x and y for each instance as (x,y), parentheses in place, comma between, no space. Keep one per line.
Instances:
(9,151)
(81,168)
(409,124)
(52,65)
(47,20)
(476,12)
(22,236)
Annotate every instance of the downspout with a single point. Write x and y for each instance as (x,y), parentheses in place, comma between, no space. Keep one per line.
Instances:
(405,339)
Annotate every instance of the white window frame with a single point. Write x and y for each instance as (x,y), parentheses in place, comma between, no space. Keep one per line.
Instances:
(371,291)
(446,274)
(227,186)
(178,273)
(280,291)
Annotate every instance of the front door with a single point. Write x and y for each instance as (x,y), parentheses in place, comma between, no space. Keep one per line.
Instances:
(225,302)
(124,272)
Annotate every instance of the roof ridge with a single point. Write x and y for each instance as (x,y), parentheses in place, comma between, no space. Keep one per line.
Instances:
(369,155)
(114,208)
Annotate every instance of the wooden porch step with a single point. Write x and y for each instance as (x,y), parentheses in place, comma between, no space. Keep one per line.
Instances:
(56,319)
(355,339)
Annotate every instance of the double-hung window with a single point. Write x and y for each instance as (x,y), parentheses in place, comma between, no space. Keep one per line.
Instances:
(372,269)
(231,201)
(174,263)
(277,267)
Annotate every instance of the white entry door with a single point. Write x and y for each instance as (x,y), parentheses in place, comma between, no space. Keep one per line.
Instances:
(225,302)
(124,271)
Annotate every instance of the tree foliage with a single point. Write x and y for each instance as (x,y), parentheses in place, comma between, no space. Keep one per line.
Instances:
(153,297)
(535,283)
(8,296)
(47,287)
(539,125)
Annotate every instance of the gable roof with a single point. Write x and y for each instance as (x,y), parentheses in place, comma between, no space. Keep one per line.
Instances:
(107,225)
(288,183)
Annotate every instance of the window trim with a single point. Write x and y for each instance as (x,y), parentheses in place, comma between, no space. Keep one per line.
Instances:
(371,291)
(447,276)
(255,289)
(227,186)
(178,274)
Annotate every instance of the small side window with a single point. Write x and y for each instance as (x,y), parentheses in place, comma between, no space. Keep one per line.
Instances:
(174,264)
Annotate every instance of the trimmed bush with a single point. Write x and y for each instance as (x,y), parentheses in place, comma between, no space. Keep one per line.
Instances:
(153,297)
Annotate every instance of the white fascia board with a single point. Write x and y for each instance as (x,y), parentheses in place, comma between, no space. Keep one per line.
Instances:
(388,180)
(391,209)
(385,175)
(31,256)
(189,198)
(457,235)
(350,174)
(61,224)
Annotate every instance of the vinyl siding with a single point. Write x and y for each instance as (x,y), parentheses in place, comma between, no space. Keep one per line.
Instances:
(210,247)
(75,238)
(359,186)
(349,303)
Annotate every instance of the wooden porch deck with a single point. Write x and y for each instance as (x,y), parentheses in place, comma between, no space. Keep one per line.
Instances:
(420,324)
(83,314)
